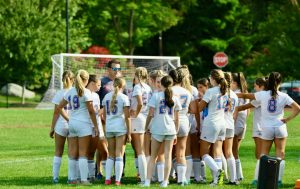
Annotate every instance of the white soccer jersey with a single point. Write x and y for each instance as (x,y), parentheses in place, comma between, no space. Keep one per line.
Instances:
(242,115)
(229,112)
(256,115)
(77,104)
(96,105)
(115,121)
(194,93)
(185,98)
(56,100)
(163,119)
(216,105)
(143,90)
(272,110)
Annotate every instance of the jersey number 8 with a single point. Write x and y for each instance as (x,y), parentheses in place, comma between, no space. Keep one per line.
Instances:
(272,105)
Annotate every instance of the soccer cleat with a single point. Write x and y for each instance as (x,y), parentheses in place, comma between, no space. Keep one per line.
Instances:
(73,182)
(85,183)
(55,181)
(254,183)
(202,180)
(279,184)
(220,176)
(107,182)
(164,184)
(118,183)
(233,183)
(99,176)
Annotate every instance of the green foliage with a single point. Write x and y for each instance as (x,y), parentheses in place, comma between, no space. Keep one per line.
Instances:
(124,25)
(31,31)
(280,34)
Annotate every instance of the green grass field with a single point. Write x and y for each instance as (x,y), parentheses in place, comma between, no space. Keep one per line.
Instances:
(26,154)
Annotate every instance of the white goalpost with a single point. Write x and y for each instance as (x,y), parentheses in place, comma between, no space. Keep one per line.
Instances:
(96,64)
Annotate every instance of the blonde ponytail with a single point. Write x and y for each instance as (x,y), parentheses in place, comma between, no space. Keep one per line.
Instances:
(67,79)
(81,77)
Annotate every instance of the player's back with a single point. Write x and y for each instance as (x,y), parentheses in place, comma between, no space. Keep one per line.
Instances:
(185,98)
(143,90)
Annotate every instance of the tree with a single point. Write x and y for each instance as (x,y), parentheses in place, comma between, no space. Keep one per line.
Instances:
(280,34)
(31,31)
(124,25)
(208,27)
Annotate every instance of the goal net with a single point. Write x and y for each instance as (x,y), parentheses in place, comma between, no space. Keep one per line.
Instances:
(96,64)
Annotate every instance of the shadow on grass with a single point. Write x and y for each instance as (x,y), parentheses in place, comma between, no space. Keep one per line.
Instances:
(131,182)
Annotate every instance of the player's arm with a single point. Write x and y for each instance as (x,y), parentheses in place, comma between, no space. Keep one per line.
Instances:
(149,117)
(128,122)
(295,111)
(91,110)
(57,111)
(241,108)
(202,104)
(139,105)
(54,120)
(193,109)
(250,96)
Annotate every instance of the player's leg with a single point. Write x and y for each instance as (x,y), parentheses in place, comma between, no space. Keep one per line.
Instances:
(83,150)
(180,159)
(168,145)
(59,149)
(73,159)
(227,146)
(189,159)
(155,145)
(257,141)
(91,154)
(111,140)
(119,153)
(102,155)
(158,173)
(138,142)
(195,151)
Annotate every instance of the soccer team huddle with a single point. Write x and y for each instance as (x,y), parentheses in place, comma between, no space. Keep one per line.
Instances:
(176,130)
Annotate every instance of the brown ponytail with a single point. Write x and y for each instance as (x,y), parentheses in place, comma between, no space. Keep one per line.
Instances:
(273,83)
(229,80)
(119,83)
(218,76)
(167,82)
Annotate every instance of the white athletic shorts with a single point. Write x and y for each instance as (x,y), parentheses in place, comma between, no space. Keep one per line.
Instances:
(184,127)
(161,138)
(212,134)
(101,132)
(229,133)
(193,124)
(138,124)
(79,128)
(62,129)
(114,134)
(240,132)
(256,132)
(269,133)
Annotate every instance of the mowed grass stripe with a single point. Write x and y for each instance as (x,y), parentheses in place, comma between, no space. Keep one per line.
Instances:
(26,154)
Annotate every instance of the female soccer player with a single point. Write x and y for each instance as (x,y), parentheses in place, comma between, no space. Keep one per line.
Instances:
(94,85)
(164,107)
(181,82)
(213,128)
(239,85)
(158,173)
(140,96)
(229,133)
(118,128)
(80,128)
(259,85)
(273,123)
(59,126)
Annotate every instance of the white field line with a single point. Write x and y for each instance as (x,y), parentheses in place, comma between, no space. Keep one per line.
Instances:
(24,160)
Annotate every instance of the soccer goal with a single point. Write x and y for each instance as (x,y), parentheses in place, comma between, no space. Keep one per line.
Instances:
(96,64)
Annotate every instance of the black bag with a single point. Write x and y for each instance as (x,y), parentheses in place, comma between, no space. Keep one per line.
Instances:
(268,172)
